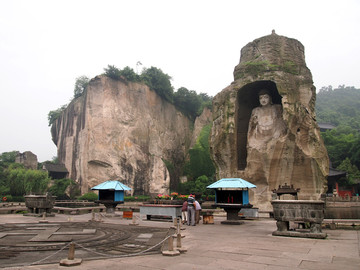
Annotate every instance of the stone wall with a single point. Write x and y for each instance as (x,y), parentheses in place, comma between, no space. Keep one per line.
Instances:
(27,158)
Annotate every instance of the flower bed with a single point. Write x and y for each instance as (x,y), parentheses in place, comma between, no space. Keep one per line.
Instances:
(173,199)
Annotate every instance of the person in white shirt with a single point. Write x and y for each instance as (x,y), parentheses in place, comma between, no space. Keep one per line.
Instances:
(197,211)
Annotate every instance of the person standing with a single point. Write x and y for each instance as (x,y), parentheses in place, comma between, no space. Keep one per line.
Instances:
(191,211)
(184,212)
(197,211)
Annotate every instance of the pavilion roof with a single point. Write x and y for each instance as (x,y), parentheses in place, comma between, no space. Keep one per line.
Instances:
(232,183)
(111,185)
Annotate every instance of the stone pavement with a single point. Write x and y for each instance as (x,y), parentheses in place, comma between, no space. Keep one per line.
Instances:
(217,246)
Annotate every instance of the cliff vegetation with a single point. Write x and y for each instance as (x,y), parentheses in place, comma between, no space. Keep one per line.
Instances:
(340,107)
(187,101)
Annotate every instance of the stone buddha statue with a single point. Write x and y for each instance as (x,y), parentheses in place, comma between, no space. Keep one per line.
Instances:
(265,123)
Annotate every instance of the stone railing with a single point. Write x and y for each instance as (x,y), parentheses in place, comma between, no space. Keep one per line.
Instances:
(343,199)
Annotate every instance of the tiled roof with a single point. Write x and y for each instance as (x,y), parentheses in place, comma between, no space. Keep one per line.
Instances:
(55,167)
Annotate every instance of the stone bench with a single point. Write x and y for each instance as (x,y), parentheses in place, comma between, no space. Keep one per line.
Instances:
(160,210)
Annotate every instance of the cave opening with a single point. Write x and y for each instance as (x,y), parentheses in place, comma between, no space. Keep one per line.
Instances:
(247,100)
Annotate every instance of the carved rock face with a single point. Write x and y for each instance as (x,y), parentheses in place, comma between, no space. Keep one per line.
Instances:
(296,155)
(122,131)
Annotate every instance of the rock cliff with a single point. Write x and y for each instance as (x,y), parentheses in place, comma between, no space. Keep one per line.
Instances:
(119,130)
(298,157)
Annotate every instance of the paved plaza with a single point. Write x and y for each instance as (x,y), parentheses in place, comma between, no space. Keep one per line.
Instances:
(209,246)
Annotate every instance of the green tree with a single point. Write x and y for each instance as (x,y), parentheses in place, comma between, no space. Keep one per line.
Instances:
(158,81)
(90,196)
(206,101)
(197,186)
(200,162)
(201,183)
(339,106)
(59,187)
(341,143)
(353,172)
(199,169)
(23,181)
(187,101)
(355,153)
(112,72)
(4,185)
(36,181)
(80,85)
(54,115)
(117,74)
(16,176)
(129,74)
(4,189)
(8,157)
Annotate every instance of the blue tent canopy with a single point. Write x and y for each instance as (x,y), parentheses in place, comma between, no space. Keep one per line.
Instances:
(235,183)
(111,185)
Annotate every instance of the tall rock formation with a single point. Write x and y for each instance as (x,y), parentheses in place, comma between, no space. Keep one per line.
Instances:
(294,153)
(122,130)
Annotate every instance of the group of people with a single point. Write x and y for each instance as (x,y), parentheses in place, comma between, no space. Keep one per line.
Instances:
(191,211)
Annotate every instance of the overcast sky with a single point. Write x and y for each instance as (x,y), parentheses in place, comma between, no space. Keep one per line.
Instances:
(46,45)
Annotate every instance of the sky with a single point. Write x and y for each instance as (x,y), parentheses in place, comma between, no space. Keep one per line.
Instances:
(45,45)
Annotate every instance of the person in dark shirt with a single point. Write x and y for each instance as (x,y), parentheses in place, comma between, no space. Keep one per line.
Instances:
(191,211)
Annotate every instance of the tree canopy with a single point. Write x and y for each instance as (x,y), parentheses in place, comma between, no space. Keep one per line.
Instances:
(8,157)
(17,181)
(53,115)
(22,181)
(341,108)
(159,82)
(80,85)
(187,101)
(199,169)
(200,162)
(118,74)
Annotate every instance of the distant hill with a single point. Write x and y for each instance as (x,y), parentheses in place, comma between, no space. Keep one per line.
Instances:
(340,106)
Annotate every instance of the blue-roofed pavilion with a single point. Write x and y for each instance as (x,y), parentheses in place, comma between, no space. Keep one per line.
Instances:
(232,190)
(111,193)
(232,194)
(111,185)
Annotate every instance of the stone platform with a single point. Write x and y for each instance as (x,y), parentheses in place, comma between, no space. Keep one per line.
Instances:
(26,243)
(249,246)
